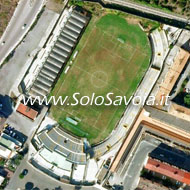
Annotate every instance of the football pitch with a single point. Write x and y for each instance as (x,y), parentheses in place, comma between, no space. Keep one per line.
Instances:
(113,56)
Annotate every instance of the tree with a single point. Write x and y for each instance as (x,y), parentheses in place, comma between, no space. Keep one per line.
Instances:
(187,99)
(21,176)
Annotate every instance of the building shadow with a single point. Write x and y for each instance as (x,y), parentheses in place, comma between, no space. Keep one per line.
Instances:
(6,106)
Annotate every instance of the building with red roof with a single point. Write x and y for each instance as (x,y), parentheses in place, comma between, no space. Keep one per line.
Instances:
(168,170)
(27,111)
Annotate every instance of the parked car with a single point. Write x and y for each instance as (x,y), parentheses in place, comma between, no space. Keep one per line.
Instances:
(25,172)
(24,26)
(12,132)
(6,131)
(14,135)
(9,128)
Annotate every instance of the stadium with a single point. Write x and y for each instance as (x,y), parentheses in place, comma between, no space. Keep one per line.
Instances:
(108,54)
(91,54)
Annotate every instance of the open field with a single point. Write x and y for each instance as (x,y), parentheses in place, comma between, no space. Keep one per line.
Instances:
(113,57)
(7,8)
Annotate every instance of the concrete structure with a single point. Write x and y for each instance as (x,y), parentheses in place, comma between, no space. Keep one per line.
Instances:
(59,154)
(179,61)
(78,173)
(160,48)
(59,141)
(91,170)
(51,60)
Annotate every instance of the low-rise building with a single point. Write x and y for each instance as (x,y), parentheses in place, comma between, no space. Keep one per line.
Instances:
(163,170)
(5,153)
(1,179)
(177,63)
(8,144)
(27,111)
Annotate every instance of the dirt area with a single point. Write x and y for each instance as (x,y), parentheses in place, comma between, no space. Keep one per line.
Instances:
(145,184)
(7,8)
(55,5)
(133,20)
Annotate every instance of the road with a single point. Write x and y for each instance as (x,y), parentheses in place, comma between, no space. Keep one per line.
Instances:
(39,180)
(136,165)
(25,13)
(148,10)
(129,175)
(14,69)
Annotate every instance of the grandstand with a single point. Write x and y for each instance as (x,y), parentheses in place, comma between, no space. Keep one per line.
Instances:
(59,54)
(56,140)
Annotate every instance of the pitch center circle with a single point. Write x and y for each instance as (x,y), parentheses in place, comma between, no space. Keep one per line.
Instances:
(99,79)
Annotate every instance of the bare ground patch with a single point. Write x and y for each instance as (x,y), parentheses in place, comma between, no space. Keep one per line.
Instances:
(55,5)
(7,8)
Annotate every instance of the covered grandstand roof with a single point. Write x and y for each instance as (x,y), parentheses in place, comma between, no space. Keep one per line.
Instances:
(60,53)
(168,170)
(56,158)
(58,141)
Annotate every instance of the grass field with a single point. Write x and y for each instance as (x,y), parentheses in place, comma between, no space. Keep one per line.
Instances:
(113,57)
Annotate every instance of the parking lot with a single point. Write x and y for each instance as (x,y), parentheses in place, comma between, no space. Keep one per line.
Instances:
(25,125)
(15,135)
(38,180)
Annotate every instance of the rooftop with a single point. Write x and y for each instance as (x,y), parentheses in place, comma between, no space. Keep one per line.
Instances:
(4,152)
(7,143)
(168,170)
(27,111)
(54,157)
(173,73)
(1,179)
